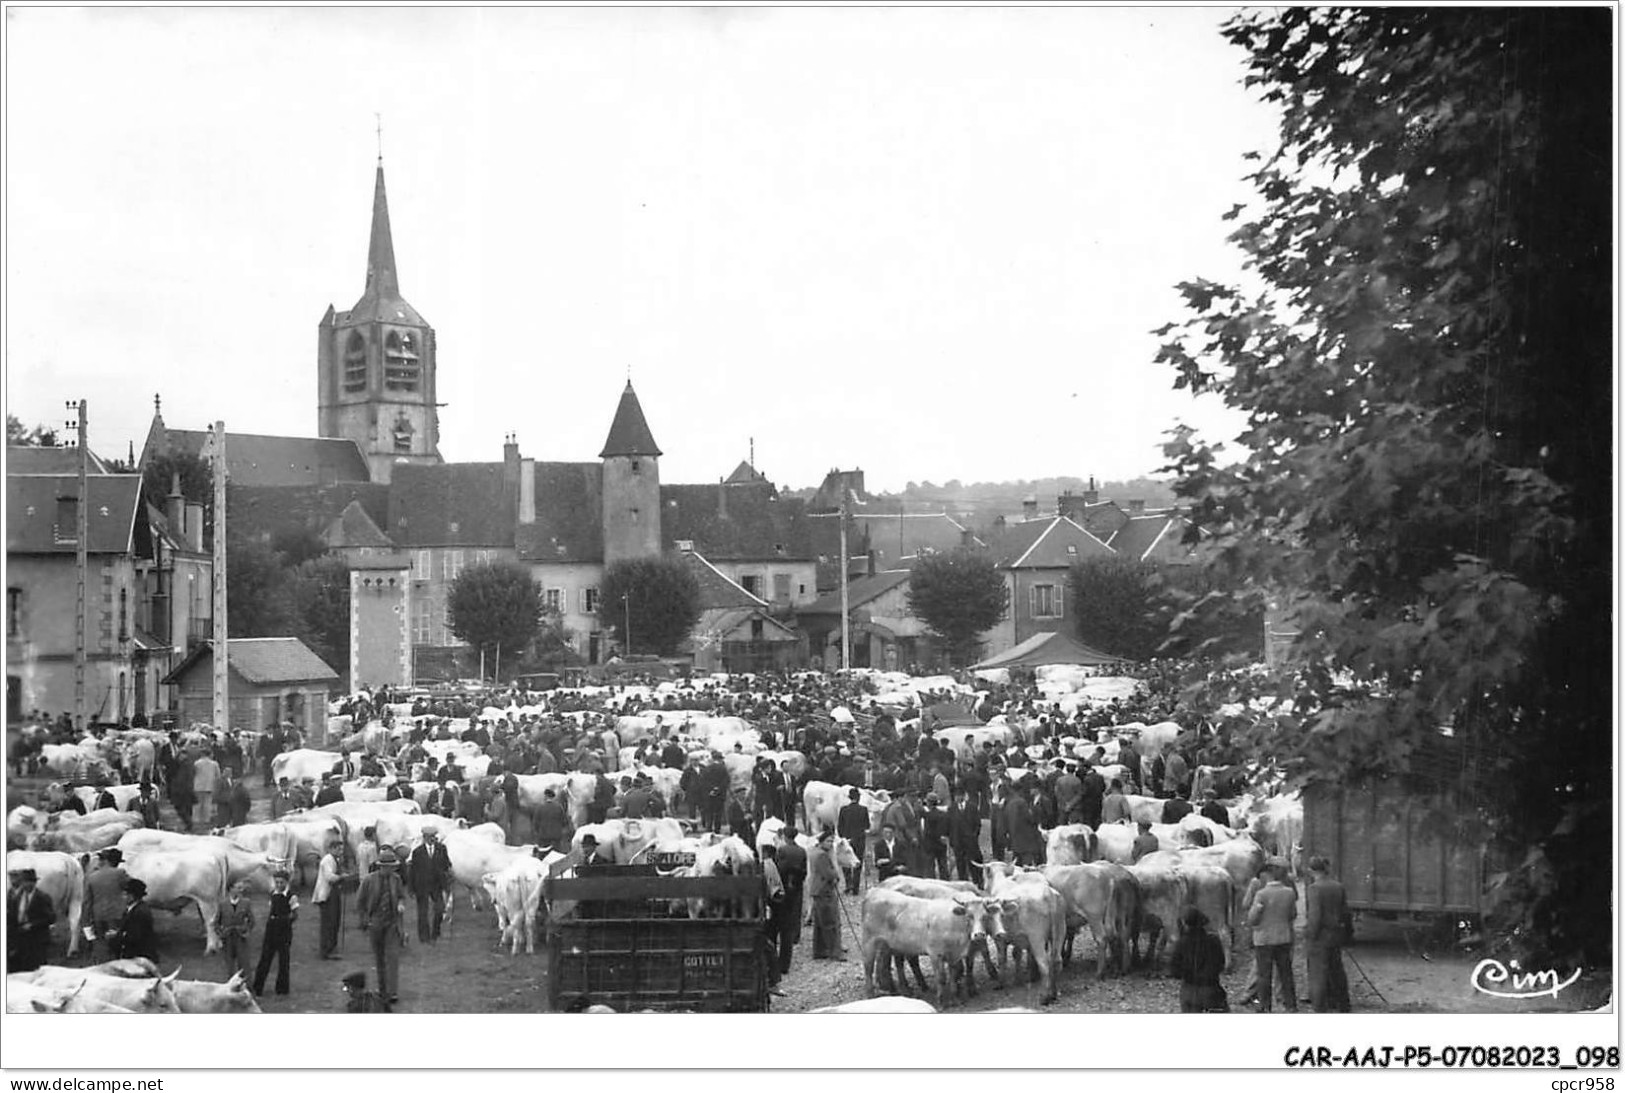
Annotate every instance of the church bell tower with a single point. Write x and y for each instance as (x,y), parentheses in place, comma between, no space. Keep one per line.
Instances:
(375,365)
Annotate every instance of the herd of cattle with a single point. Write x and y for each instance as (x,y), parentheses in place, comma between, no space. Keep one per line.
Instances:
(1090,880)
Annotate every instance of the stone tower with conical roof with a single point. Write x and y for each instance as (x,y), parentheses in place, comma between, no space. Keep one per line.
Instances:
(631,485)
(375,364)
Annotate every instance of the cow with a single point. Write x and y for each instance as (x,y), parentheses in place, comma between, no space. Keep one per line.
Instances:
(81,762)
(25,823)
(924,888)
(533,786)
(944,930)
(516,893)
(1277,825)
(1207,887)
(823,802)
(310,832)
(24,997)
(624,841)
(302,763)
(954,737)
(474,855)
(242,866)
(1104,897)
(883,1004)
(140,759)
(275,840)
(147,995)
(1144,809)
(365,790)
(404,831)
(1034,922)
(1163,895)
(1115,843)
(122,795)
(201,996)
(722,858)
(772,827)
(86,838)
(62,877)
(1071,844)
(1241,858)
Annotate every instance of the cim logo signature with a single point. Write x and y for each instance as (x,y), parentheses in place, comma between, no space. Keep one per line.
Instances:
(1489,976)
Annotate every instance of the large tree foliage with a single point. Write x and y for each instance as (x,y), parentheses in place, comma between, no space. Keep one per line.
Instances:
(318,591)
(258,603)
(959,595)
(1114,601)
(196,478)
(1426,481)
(495,606)
(659,596)
(24,437)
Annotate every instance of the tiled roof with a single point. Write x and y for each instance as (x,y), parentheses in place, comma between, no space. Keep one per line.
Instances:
(569,523)
(1043,544)
(450,504)
(1101,519)
(354,528)
(716,590)
(858,592)
(31,513)
(263,661)
(253,460)
(746,473)
(28,459)
(629,433)
(1140,534)
(897,538)
(264,511)
(736,523)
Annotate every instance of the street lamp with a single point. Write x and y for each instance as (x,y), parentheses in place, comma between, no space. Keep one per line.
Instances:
(626,623)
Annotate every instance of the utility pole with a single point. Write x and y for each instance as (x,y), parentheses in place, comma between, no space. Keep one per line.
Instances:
(626,618)
(217,461)
(846,619)
(81,560)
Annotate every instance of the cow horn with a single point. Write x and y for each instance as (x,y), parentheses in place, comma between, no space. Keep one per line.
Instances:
(170,978)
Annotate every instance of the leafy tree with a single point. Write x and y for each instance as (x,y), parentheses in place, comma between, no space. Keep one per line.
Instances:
(319,593)
(1115,602)
(495,606)
(959,595)
(661,600)
(21,435)
(258,601)
(197,485)
(1426,374)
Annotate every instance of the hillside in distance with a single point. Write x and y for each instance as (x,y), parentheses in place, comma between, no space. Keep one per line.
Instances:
(978,504)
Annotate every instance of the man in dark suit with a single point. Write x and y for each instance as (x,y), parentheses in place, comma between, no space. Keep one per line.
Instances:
(29,914)
(445,801)
(852,824)
(784,784)
(428,875)
(1213,810)
(890,854)
(136,936)
(1325,931)
(550,822)
(330,793)
(965,832)
(793,871)
(1094,796)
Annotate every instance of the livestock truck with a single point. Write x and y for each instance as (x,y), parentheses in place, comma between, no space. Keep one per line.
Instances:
(628,941)
(1400,850)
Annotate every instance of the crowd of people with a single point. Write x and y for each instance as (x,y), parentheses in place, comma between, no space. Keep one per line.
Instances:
(932,827)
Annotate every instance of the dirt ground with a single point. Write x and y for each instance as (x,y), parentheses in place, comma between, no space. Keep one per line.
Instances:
(1389,969)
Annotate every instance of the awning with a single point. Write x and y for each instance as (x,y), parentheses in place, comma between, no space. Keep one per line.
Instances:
(1050,648)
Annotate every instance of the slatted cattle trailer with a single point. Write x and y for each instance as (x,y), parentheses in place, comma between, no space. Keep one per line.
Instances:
(1391,859)
(629,944)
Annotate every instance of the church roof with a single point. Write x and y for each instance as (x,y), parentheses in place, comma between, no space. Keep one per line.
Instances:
(629,433)
(263,511)
(253,460)
(382,300)
(450,504)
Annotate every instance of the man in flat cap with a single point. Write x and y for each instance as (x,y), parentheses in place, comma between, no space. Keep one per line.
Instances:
(29,914)
(382,904)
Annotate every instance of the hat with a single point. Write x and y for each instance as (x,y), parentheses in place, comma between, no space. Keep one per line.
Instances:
(25,874)
(136,887)
(112,855)
(827,834)
(386,856)
(356,981)
(280,874)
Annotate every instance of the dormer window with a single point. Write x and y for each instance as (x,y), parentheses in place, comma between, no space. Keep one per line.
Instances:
(355,363)
(402,369)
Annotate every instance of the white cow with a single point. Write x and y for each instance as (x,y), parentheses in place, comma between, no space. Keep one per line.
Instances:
(252,868)
(823,802)
(175,877)
(624,841)
(135,995)
(122,795)
(62,877)
(302,763)
(516,893)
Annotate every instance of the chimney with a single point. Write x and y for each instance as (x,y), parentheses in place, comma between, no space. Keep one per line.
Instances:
(510,463)
(1091,496)
(1029,508)
(722,500)
(527,491)
(194,528)
(685,546)
(1136,506)
(175,510)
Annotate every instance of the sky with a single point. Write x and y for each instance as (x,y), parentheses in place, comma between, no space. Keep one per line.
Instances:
(931,244)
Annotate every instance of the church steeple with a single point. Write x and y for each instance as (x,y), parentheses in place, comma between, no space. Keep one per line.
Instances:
(381,278)
(376,363)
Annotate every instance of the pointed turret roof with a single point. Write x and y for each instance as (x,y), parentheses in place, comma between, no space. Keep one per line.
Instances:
(629,434)
(382,298)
